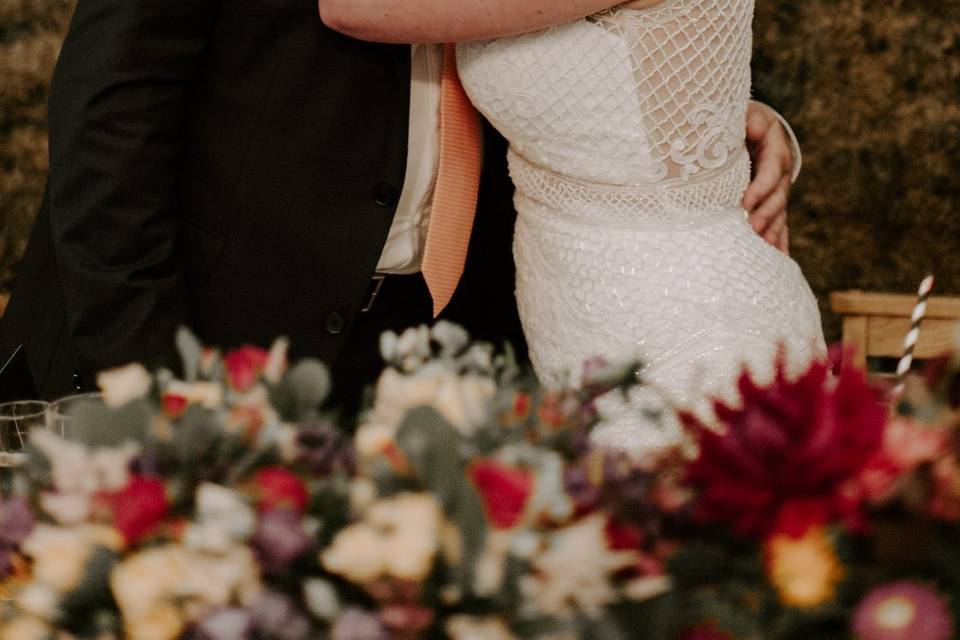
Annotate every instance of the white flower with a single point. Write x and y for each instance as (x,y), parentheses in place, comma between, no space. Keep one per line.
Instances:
(550,496)
(647,587)
(463,627)
(69,462)
(464,401)
(321,599)
(66,508)
(573,573)
(451,337)
(39,600)
(363,492)
(124,384)
(112,466)
(223,518)
(276,363)
(489,569)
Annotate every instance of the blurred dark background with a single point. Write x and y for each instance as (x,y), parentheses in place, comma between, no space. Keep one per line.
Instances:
(872,88)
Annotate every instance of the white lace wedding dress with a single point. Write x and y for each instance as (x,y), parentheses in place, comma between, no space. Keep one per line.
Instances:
(627,151)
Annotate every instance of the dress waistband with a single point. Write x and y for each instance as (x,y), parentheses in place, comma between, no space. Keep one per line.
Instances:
(674,203)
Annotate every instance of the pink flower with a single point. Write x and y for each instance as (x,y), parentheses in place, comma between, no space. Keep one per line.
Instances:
(903,611)
(278,488)
(244,366)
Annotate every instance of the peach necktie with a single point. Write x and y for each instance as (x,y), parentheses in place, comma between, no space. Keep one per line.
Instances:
(456,190)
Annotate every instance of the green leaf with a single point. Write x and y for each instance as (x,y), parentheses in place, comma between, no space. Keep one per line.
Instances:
(431,446)
(191,350)
(93,593)
(96,425)
(303,390)
(698,564)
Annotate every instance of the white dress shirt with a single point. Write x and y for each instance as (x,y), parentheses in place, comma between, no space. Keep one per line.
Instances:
(404,247)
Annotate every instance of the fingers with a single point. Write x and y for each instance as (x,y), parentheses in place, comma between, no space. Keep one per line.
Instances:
(758,123)
(775,229)
(773,206)
(784,242)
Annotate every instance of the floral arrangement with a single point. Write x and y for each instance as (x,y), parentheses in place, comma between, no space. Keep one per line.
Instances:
(469,503)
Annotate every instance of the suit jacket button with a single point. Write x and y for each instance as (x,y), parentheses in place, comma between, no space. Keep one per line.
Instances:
(334,323)
(385,194)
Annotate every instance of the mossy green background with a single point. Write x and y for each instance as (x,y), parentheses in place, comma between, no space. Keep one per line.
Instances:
(872,88)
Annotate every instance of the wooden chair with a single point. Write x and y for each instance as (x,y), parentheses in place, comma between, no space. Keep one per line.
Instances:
(4,299)
(875,324)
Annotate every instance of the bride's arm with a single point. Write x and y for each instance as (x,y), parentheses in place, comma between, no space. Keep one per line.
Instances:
(405,21)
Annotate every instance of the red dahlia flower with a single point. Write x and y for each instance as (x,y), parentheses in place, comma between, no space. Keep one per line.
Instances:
(794,440)
(504,491)
(244,366)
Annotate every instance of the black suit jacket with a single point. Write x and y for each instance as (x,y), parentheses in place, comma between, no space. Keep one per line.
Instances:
(231,165)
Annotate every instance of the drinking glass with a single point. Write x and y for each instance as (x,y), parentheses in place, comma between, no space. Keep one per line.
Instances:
(17,418)
(64,410)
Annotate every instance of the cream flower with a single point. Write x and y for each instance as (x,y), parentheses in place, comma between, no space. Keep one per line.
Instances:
(164,622)
(356,554)
(489,569)
(124,384)
(151,581)
(398,537)
(573,573)
(465,627)
(25,628)
(60,554)
(39,600)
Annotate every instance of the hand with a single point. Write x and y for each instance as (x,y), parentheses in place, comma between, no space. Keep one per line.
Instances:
(767,196)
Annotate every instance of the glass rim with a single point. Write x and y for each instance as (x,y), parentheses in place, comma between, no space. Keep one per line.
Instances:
(42,405)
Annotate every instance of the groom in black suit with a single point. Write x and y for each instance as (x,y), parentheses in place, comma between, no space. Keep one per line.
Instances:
(237,167)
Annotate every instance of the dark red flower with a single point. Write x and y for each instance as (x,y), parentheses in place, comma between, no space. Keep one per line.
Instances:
(504,491)
(174,405)
(278,488)
(792,440)
(244,366)
(139,507)
(706,631)
(623,537)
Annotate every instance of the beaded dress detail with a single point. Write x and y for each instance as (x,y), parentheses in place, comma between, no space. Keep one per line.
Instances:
(626,133)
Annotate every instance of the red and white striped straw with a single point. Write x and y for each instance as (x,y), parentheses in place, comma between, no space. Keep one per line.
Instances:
(910,340)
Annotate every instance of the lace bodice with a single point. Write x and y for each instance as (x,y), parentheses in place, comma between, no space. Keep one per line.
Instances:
(626,134)
(625,97)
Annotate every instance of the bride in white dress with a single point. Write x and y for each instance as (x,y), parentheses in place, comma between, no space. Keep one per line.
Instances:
(626,131)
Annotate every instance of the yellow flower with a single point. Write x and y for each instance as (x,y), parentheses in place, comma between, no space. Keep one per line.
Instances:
(804,570)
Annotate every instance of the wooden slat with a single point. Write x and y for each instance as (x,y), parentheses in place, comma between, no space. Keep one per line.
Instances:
(862,303)
(855,336)
(885,337)
(4,299)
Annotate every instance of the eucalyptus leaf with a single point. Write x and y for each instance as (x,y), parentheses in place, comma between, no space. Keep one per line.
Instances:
(93,591)
(430,444)
(97,425)
(303,390)
(191,350)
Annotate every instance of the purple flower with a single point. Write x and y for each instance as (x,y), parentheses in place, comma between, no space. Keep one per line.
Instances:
(357,624)
(280,539)
(16,522)
(903,611)
(226,624)
(325,449)
(585,494)
(276,617)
